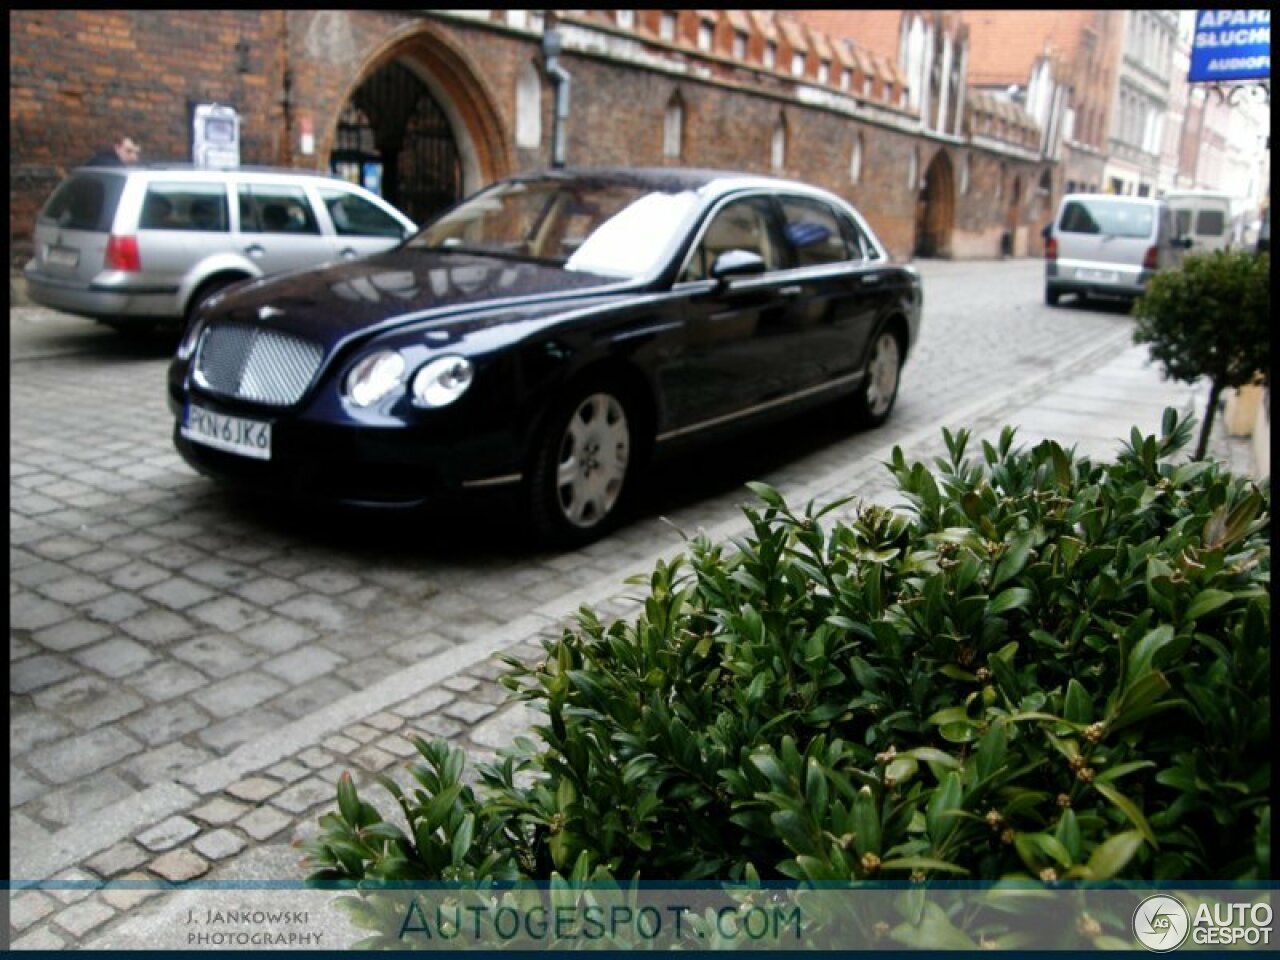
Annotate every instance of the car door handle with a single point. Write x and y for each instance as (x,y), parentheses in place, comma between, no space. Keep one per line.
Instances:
(255,250)
(792,290)
(347,253)
(871,279)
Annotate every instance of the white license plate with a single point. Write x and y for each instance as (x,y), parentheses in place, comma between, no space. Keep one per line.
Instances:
(1099,276)
(62,256)
(248,438)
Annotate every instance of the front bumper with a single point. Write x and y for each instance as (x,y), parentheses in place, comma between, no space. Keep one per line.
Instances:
(406,466)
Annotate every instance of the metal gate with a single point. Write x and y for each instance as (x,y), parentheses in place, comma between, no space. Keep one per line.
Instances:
(394,131)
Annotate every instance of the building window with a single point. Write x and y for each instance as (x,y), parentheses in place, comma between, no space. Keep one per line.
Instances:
(739,45)
(673,129)
(888,93)
(778,149)
(855,162)
(705,35)
(824,72)
(667,27)
(625,18)
(846,78)
(770,54)
(518,19)
(529,108)
(797,64)
(868,86)
(913,171)
(965,174)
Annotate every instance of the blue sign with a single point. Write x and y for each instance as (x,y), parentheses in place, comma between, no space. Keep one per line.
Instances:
(1231,45)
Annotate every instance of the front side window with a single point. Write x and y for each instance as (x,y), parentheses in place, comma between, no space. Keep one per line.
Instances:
(355,216)
(610,229)
(813,232)
(184,206)
(276,209)
(740,225)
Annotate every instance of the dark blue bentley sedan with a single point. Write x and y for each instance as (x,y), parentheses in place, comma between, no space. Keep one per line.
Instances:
(548,334)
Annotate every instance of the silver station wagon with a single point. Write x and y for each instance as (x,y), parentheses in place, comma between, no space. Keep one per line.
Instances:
(136,246)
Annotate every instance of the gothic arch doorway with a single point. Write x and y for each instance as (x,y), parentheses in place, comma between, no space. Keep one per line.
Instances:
(419,127)
(936,209)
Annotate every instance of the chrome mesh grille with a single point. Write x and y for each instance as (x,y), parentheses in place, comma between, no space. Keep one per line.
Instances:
(248,363)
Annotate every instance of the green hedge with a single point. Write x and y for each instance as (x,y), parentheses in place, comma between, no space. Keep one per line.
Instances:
(1052,668)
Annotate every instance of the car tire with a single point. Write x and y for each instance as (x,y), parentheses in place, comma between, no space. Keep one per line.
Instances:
(879,389)
(581,465)
(1051,296)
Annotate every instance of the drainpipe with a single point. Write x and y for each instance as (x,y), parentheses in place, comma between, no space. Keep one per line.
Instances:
(560,80)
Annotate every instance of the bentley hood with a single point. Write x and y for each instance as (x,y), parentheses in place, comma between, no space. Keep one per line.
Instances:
(337,302)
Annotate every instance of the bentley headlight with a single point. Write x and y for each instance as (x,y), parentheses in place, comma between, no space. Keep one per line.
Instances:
(189,340)
(374,377)
(442,381)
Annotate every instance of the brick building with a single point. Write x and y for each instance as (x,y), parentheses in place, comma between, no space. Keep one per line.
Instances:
(446,102)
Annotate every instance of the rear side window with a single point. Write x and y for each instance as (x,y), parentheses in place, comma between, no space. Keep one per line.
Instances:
(1101,215)
(276,209)
(1211,223)
(184,206)
(355,216)
(814,232)
(85,201)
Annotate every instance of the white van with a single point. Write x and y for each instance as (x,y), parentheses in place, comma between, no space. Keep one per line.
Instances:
(1204,216)
(1107,246)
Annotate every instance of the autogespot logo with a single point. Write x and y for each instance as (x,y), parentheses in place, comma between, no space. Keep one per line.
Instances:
(1161,923)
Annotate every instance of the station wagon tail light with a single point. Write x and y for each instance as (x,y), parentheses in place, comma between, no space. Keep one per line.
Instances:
(1051,248)
(374,377)
(1152,260)
(442,381)
(122,254)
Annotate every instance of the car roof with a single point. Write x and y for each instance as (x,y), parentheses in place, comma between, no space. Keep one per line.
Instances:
(192,169)
(671,178)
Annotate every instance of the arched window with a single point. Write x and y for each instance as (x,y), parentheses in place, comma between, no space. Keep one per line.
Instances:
(913,171)
(673,128)
(855,162)
(778,149)
(529,108)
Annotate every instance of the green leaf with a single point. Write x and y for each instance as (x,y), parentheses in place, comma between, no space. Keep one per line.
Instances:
(923,863)
(1206,601)
(1116,772)
(1130,810)
(1143,654)
(934,932)
(1011,599)
(1014,559)
(461,842)
(1078,707)
(1114,854)
(943,806)
(348,802)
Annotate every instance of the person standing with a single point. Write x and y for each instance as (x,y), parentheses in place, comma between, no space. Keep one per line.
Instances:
(125,152)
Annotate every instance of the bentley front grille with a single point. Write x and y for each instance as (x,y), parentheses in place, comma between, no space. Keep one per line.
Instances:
(263,366)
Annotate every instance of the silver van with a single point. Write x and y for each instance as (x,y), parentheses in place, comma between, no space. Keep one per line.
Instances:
(1107,246)
(133,246)
(1203,216)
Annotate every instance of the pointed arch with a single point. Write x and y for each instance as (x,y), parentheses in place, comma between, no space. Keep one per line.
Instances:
(673,121)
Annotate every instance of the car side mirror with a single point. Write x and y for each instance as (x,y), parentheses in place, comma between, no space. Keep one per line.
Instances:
(736,263)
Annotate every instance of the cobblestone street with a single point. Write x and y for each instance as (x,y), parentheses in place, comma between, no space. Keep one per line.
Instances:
(191,671)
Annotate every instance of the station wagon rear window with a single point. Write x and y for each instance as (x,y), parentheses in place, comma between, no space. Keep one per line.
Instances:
(1109,216)
(85,201)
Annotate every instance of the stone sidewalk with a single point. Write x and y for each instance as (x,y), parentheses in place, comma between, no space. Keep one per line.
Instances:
(234,818)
